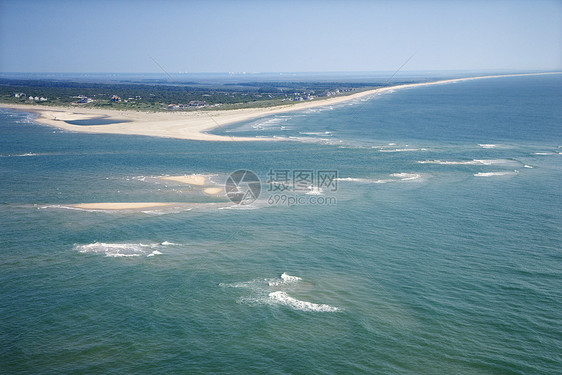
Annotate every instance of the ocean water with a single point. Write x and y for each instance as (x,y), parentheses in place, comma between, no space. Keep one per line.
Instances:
(439,250)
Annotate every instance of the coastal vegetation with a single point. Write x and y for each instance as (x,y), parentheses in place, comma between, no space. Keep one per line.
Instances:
(166,96)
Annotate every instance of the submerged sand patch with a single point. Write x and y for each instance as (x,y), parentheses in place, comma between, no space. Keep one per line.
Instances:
(121,206)
(194,179)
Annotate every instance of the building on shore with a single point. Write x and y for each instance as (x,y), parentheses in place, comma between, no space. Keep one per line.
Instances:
(193,103)
(82,99)
(197,103)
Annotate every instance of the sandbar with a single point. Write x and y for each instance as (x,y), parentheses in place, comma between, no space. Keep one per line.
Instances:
(213,190)
(195,125)
(196,180)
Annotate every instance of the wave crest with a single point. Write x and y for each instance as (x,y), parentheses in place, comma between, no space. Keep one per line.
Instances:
(118,250)
(466,162)
(266,292)
(490,174)
(284,299)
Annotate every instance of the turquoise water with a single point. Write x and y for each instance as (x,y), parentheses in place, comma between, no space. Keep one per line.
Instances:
(440,254)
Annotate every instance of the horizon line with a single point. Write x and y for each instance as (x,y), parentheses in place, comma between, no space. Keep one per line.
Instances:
(309,72)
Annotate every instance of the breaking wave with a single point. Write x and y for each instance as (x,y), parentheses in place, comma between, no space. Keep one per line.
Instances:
(407,176)
(403,150)
(467,162)
(284,280)
(19,155)
(491,174)
(118,250)
(546,153)
(283,298)
(267,292)
(396,177)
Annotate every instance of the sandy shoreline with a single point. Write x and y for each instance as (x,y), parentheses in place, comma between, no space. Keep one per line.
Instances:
(196,180)
(194,125)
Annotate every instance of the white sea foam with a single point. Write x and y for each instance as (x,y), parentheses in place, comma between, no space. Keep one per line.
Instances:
(29,118)
(366,180)
(314,190)
(407,176)
(282,298)
(353,179)
(116,250)
(155,252)
(316,133)
(266,123)
(324,141)
(491,174)
(288,278)
(19,155)
(319,109)
(487,145)
(493,161)
(397,178)
(164,212)
(59,206)
(467,162)
(284,280)
(546,153)
(266,292)
(403,150)
(252,206)
(243,284)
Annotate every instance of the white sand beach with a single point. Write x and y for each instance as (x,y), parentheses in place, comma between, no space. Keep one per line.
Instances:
(194,125)
(213,190)
(194,179)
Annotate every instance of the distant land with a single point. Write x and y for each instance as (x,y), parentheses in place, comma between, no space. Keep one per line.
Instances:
(147,110)
(162,95)
(199,91)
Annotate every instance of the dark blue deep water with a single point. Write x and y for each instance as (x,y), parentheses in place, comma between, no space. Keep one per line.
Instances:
(439,250)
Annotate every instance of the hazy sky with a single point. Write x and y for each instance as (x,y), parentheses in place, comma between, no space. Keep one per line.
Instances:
(279,36)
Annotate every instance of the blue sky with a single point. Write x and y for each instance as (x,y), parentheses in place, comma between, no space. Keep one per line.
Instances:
(279,36)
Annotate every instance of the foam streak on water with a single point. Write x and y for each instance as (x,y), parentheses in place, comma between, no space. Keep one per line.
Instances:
(117,250)
(274,292)
(284,299)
